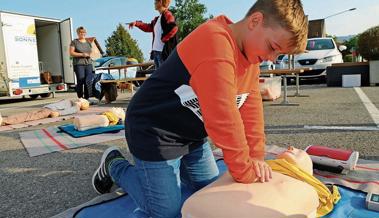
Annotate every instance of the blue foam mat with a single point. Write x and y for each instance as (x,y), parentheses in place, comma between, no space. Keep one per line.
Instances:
(70,129)
(351,205)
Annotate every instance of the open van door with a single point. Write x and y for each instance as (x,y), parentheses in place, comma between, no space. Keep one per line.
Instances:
(66,38)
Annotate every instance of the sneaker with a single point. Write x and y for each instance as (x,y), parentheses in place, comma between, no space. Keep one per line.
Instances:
(101,179)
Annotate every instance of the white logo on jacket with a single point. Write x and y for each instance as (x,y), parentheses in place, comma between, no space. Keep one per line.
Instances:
(189,99)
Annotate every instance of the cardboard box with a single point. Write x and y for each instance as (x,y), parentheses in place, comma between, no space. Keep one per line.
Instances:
(46,78)
(57,79)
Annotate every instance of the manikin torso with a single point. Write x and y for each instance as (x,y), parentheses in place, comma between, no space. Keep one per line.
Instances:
(282,196)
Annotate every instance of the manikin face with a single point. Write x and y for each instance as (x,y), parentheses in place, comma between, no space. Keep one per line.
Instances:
(297,157)
(262,43)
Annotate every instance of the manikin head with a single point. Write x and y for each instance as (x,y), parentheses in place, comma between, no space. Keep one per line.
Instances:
(81,103)
(297,157)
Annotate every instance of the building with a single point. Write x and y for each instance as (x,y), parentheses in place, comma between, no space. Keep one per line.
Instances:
(97,51)
(316,28)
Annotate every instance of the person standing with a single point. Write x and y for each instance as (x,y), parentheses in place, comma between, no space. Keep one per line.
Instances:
(80,50)
(164,31)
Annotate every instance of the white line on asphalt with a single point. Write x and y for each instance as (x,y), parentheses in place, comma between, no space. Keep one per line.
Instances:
(372,110)
(348,128)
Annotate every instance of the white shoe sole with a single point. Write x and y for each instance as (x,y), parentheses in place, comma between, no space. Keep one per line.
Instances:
(105,154)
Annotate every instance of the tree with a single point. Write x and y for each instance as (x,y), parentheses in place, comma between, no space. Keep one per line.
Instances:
(368,43)
(350,54)
(352,42)
(189,14)
(120,43)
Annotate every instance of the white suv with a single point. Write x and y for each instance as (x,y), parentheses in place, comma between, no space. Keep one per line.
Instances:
(320,53)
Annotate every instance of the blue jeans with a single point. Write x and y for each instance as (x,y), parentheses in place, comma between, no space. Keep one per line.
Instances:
(155,186)
(157,57)
(82,72)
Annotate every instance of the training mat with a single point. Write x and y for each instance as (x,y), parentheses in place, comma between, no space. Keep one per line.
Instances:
(70,129)
(118,204)
(51,139)
(351,205)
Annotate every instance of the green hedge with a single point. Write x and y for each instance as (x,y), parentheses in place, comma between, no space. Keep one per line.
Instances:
(368,43)
(348,58)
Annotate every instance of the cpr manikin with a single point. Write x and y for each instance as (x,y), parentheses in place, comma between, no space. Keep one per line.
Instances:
(282,196)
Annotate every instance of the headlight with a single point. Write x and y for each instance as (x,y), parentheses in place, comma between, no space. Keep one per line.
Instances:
(328,59)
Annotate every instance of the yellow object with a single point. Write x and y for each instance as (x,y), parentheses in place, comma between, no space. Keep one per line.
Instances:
(326,198)
(83,103)
(54,114)
(31,30)
(119,112)
(132,60)
(113,119)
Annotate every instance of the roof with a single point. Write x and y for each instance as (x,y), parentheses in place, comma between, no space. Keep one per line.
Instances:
(29,15)
(93,39)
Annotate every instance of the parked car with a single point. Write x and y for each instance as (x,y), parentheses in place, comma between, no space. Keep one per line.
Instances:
(320,53)
(279,64)
(114,61)
(267,65)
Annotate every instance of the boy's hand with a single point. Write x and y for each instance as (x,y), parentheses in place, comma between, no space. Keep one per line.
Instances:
(262,170)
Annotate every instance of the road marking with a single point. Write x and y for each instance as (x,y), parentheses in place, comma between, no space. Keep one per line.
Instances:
(372,110)
(348,128)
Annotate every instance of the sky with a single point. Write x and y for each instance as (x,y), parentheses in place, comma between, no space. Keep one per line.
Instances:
(100,18)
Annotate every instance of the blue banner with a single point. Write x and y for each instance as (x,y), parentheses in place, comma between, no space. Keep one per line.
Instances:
(29,82)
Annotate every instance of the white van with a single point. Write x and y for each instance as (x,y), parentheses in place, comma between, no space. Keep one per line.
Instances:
(30,45)
(320,53)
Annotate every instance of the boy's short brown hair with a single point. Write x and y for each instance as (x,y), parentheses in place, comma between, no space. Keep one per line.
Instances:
(288,14)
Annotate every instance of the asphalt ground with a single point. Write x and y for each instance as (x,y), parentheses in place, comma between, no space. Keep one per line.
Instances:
(46,185)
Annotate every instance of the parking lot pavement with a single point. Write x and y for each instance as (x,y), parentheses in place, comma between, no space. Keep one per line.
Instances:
(326,107)
(46,185)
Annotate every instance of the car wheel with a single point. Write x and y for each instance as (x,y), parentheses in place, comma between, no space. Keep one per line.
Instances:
(34,96)
(322,79)
(45,95)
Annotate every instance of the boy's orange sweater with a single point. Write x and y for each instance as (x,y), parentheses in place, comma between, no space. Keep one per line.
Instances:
(209,71)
